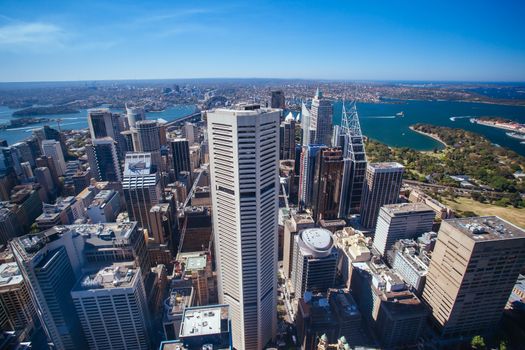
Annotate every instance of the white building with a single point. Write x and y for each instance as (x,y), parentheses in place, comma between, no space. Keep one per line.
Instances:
(244,152)
(112,308)
(314,261)
(53,149)
(401,221)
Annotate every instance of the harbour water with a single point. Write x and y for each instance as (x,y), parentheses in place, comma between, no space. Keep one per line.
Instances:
(77,121)
(378,121)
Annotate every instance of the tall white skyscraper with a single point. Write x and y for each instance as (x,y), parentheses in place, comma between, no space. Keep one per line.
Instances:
(52,148)
(244,153)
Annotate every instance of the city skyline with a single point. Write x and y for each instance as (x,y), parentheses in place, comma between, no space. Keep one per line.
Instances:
(402,41)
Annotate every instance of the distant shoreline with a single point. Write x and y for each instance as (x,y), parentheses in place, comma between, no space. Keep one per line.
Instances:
(435,137)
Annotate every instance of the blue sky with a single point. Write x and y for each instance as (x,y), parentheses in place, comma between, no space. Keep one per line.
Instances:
(46,40)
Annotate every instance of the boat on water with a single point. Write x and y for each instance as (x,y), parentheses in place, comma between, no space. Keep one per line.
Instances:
(516,135)
(400,114)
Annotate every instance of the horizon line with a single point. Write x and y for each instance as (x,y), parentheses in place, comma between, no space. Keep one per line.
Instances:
(327,80)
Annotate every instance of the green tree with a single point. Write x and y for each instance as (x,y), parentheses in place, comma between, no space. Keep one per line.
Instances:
(503,345)
(478,342)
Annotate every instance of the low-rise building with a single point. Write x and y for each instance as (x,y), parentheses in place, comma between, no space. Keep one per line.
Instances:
(353,246)
(104,207)
(395,314)
(180,297)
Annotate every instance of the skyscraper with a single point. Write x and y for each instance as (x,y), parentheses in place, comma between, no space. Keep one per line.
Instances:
(474,266)
(103,123)
(355,162)
(307,174)
(287,138)
(278,100)
(401,221)
(244,156)
(141,185)
(104,160)
(148,135)
(321,119)
(327,183)
(52,148)
(112,307)
(134,114)
(308,133)
(180,152)
(50,267)
(383,182)
(314,261)
(15,300)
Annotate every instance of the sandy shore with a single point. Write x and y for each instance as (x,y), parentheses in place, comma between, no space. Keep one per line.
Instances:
(435,137)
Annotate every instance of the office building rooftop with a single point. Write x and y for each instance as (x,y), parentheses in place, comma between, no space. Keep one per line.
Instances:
(94,234)
(102,198)
(316,242)
(117,275)
(486,228)
(196,263)
(137,164)
(406,208)
(386,165)
(10,275)
(198,321)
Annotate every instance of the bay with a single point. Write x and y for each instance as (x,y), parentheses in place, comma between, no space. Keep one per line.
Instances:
(379,121)
(77,121)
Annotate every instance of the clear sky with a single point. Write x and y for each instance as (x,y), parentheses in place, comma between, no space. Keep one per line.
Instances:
(353,39)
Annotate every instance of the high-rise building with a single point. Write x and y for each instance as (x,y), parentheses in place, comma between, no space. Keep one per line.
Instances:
(141,185)
(104,160)
(134,114)
(308,133)
(180,152)
(278,100)
(102,123)
(351,141)
(307,174)
(9,225)
(287,138)
(52,148)
(111,305)
(15,301)
(24,151)
(321,119)
(148,136)
(53,262)
(244,152)
(51,267)
(314,261)
(43,177)
(382,186)
(474,266)
(292,226)
(327,184)
(401,221)
(190,132)
(395,314)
